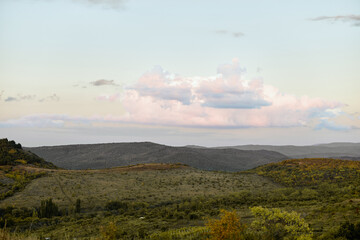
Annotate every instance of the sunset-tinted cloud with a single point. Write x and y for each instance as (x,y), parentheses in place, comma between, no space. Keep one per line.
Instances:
(108,97)
(225,100)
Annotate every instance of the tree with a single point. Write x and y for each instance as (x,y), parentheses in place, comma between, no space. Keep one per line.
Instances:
(349,231)
(228,227)
(77,206)
(276,224)
(48,209)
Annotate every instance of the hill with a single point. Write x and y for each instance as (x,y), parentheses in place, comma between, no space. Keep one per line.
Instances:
(98,156)
(18,167)
(12,153)
(350,151)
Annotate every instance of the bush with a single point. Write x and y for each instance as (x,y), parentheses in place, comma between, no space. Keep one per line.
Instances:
(116,205)
(227,227)
(349,231)
(277,224)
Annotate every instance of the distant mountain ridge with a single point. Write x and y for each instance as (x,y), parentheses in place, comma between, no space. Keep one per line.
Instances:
(341,150)
(97,156)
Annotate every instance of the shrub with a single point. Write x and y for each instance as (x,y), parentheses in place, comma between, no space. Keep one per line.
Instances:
(227,227)
(277,224)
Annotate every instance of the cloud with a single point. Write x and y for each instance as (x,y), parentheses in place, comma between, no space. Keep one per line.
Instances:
(1,94)
(20,98)
(30,97)
(39,120)
(221,101)
(240,100)
(160,84)
(225,100)
(234,34)
(79,85)
(56,121)
(108,97)
(355,19)
(10,99)
(238,34)
(221,32)
(52,97)
(328,124)
(103,82)
(107,3)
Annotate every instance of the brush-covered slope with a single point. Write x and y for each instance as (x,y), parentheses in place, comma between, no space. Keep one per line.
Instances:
(96,156)
(312,171)
(11,153)
(18,168)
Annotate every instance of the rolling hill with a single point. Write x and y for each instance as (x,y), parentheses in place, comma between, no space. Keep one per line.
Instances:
(98,156)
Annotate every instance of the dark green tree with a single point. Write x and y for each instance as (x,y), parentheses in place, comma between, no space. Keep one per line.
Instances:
(78,206)
(48,209)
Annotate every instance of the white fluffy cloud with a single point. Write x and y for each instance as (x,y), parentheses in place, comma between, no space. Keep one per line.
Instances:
(224,100)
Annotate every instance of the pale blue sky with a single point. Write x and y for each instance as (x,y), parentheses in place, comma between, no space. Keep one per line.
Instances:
(49,46)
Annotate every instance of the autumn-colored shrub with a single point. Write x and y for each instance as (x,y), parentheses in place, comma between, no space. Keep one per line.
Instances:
(228,227)
(108,232)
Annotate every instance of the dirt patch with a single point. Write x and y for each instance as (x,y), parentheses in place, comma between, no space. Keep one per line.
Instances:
(142,167)
(138,167)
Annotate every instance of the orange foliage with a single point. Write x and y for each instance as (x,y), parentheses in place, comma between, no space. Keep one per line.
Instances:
(228,227)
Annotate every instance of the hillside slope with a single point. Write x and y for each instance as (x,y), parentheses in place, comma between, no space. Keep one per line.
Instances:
(18,168)
(97,156)
(312,171)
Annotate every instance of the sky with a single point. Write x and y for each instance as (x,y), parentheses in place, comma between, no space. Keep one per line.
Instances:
(210,73)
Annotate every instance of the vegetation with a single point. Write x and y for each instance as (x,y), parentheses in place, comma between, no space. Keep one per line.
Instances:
(48,209)
(14,179)
(11,153)
(227,227)
(312,171)
(278,224)
(293,199)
